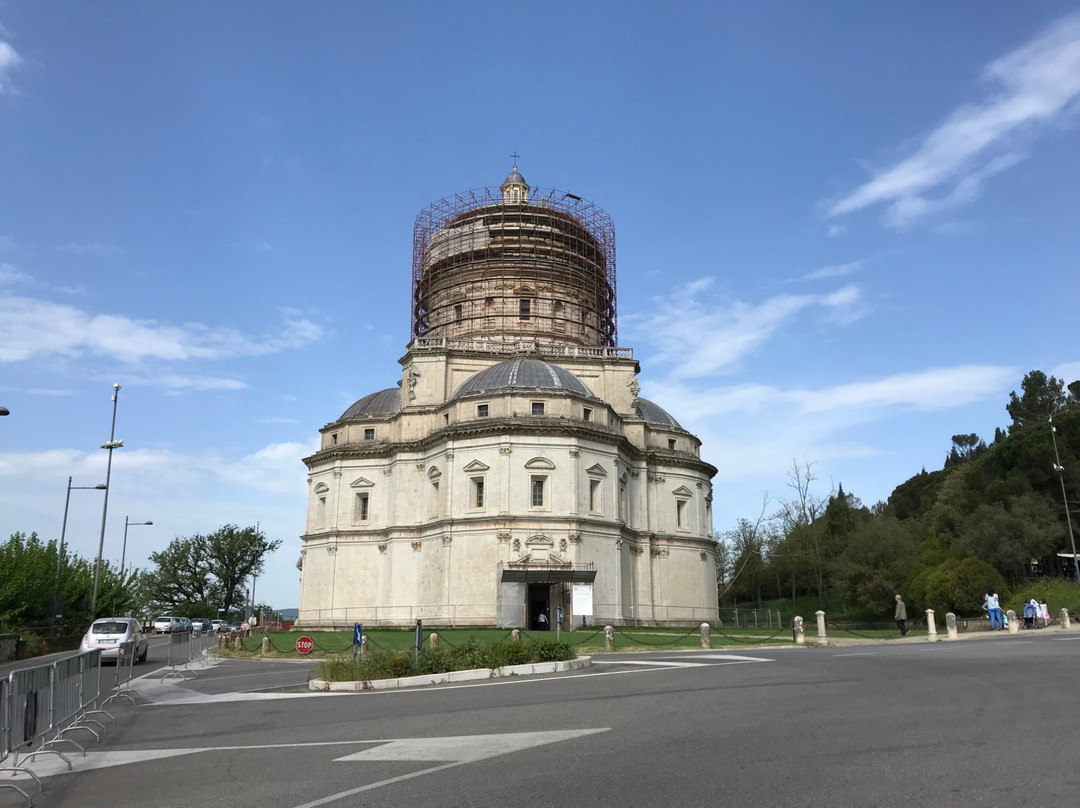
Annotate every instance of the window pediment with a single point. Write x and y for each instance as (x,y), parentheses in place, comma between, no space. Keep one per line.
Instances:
(361,482)
(539,463)
(539,541)
(434,473)
(596,470)
(321,488)
(683,491)
(476,465)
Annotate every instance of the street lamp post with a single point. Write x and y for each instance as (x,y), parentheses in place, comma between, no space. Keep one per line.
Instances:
(112,444)
(63,531)
(1060,469)
(123,553)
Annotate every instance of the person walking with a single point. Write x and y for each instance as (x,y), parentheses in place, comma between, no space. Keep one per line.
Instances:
(900,615)
(993,608)
(542,621)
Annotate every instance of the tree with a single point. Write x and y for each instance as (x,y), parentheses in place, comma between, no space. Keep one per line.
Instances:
(964,448)
(1008,535)
(1042,397)
(200,573)
(876,563)
(236,554)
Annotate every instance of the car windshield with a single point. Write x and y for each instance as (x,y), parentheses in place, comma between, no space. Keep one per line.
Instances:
(109,628)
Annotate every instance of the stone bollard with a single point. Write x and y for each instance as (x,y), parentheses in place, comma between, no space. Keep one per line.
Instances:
(706,639)
(265,646)
(822,638)
(238,643)
(1063,615)
(799,631)
(515,635)
(609,638)
(363,644)
(931,626)
(433,640)
(950,626)
(1014,626)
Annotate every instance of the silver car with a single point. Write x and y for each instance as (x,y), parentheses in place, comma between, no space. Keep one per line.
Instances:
(110,633)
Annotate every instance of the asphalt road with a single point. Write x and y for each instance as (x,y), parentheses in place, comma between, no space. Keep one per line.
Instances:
(988,721)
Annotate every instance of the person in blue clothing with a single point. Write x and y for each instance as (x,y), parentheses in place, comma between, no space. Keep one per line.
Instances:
(993,607)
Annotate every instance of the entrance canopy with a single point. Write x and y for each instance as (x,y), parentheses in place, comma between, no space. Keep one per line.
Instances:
(548,574)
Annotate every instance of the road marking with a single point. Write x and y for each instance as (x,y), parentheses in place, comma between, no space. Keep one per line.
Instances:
(731,658)
(460,750)
(1065,639)
(646,663)
(861,653)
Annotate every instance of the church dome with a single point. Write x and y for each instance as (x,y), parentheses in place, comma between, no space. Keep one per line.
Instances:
(524,374)
(654,413)
(514,177)
(383,403)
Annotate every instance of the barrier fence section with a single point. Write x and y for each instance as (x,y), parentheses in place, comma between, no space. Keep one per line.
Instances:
(126,657)
(184,650)
(39,706)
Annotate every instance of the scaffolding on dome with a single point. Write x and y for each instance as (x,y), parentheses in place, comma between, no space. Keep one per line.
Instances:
(544,270)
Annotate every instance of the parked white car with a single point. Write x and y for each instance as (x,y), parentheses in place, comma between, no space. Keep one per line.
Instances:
(168,624)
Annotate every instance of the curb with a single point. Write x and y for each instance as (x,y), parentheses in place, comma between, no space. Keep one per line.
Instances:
(323,686)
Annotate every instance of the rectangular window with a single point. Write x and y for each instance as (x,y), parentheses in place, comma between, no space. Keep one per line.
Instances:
(320,513)
(433,508)
(524,309)
(478,492)
(369,434)
(586,414)
(538,408)
(333,439)
(360,508)
(680,513)
(596,505)
(457,312)
(538,492)
(481,410)
(622,502)
(671,444)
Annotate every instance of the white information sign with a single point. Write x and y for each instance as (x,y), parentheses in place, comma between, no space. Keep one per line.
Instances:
(582,600)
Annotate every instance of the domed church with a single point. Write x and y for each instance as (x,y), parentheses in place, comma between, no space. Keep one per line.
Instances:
(514,471)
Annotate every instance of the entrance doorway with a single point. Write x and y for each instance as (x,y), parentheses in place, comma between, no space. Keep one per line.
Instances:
(539,602)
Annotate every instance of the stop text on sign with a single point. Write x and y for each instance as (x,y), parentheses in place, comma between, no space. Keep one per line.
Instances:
(304,645)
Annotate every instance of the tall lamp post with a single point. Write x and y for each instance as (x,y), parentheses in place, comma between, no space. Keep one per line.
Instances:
(123,553)
(1060,469)
(112,444)
(58,608)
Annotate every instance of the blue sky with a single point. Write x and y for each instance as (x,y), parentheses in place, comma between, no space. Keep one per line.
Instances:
(845,231)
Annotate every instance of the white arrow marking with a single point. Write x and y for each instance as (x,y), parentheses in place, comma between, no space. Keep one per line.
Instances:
(730,658)
(464,748)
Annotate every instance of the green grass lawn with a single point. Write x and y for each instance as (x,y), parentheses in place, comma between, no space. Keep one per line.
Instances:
(585,640)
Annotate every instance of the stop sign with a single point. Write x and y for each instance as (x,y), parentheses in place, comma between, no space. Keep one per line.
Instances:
(304,645)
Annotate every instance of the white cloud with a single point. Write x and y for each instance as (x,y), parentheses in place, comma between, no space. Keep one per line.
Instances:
(1068,372)
(835,271)
(836,231)
(32,328)
(10,275)
(9,60)
(735,329)
(1038,82)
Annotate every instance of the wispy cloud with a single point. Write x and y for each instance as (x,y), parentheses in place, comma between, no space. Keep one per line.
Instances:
(10,275)
(9,61)
(31,328)
(836,231)
(736,329)
(1037,84)
(94,248)
(835,271)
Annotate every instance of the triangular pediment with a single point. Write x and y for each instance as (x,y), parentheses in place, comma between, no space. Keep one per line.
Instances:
(683,491)
(539,463)
(361,482)
(596,470)
(476,465)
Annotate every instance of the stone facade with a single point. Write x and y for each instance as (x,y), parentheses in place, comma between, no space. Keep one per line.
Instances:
(503,477)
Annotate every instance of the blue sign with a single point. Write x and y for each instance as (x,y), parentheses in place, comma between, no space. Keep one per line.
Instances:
(358,634)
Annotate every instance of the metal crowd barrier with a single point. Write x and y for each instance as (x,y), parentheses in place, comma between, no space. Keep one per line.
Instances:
(39,706)
(186,650)
(127,656)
